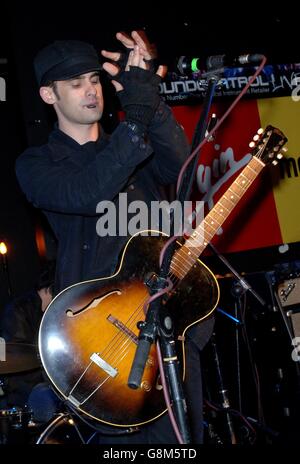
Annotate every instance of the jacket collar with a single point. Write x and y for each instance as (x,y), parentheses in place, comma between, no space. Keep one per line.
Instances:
(68,147)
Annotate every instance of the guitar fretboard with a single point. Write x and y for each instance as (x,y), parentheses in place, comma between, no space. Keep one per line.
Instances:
(185,257)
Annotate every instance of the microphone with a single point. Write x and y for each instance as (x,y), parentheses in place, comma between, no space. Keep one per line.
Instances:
(186,64)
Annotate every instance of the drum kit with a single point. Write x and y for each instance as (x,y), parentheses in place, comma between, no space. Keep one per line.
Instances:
(17,425)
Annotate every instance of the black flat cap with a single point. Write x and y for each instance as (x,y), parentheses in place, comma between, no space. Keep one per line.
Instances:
(64,59)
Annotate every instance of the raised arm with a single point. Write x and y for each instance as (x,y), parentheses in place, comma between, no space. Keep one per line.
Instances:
(55,185)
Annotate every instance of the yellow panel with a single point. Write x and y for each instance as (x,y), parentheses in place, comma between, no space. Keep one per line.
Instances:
(284,113)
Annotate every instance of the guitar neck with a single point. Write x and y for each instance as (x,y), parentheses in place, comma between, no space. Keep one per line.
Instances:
(186,256)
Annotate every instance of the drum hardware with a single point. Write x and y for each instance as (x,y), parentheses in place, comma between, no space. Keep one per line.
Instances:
(14,423)
(19,357)
(1,388)
(61,430)
(70,428)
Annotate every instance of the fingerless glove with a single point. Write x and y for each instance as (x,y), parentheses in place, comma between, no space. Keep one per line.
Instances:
(140,97)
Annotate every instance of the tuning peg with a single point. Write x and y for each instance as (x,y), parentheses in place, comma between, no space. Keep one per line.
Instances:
(274,162)
(260,131)
(256,137)
(285,149)
(251,144)
(279,156)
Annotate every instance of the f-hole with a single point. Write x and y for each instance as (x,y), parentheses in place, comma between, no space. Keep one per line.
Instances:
(92,304)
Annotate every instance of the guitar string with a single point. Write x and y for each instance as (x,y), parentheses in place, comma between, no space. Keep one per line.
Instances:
(124,354)
(115,356)
(131,322)
(115,341)
(184,260)
(109,351)
(123,350)
(117,337)
(127,340)
(79,378)
(111,360)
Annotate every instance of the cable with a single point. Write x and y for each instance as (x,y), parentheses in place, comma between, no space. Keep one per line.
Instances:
(216,127)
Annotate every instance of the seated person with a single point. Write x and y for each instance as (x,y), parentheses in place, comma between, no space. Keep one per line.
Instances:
(19,324)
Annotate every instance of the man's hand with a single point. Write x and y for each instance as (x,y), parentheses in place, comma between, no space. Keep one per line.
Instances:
(147,50)
(138,89)
(139,52)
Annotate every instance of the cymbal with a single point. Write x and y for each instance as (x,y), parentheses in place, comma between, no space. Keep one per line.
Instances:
(19,357)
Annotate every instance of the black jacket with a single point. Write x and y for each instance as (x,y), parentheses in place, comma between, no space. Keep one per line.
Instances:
(67,181)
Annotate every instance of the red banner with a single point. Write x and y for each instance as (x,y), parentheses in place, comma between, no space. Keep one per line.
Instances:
(269,213)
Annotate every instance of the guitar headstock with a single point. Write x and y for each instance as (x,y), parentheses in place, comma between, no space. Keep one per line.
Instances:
(268,144)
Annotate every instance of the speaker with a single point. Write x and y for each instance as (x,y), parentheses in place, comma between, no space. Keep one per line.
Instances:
(289,295)
(295,322)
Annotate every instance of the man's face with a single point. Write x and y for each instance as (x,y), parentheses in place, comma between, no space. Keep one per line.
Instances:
(79,100)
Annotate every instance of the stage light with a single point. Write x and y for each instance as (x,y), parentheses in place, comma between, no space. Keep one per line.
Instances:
(3,253)
(3,248)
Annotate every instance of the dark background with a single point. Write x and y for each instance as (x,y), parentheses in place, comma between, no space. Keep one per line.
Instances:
(184,29)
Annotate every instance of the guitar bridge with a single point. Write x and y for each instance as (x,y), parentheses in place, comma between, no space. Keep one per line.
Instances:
(104,365)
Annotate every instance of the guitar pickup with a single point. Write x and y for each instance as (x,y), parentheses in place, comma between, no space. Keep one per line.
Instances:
(104,365)
(122,327)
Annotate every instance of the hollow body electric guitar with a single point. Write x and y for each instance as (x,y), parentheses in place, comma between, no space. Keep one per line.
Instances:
(88,334)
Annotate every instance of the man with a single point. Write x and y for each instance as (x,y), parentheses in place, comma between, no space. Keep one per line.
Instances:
(81,166)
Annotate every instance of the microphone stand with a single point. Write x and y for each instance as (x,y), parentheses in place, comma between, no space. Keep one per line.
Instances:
(158,322)
(239,288)
(223,392)
(243,282)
